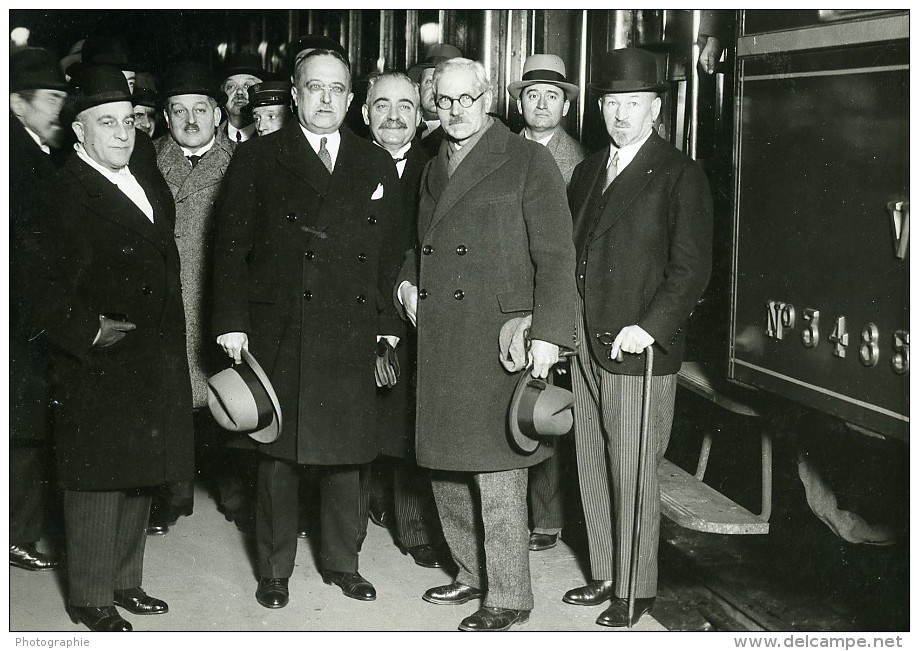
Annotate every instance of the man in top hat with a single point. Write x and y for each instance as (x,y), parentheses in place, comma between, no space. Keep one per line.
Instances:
(494,244)
(193,160)
(108,301)
(37,93)
(544,97)
(300,279)
(270,103)
(643,233)
(430,131)
(240,73)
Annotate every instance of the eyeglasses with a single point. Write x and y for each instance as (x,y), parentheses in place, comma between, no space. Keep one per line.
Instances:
(445,102)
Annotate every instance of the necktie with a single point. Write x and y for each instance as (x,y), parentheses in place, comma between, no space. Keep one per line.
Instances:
(324,155)
(239,136)
(193,159)
(612,170)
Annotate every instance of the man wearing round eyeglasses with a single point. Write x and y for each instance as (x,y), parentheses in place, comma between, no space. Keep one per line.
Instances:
(299,279)
(494,244)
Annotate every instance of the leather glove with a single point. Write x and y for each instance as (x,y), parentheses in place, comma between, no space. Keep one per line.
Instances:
(112,330)
(386,370)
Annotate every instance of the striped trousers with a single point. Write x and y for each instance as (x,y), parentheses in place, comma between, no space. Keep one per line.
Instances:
(607,413)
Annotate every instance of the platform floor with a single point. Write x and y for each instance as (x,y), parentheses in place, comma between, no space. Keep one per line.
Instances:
(204,569)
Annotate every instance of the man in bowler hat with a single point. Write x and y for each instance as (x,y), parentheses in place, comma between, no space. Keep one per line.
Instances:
(643,233)
(240,72)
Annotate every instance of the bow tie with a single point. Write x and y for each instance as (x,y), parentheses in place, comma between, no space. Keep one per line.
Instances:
(398,160)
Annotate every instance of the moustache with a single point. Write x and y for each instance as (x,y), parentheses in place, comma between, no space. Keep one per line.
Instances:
(457,120)
(393,124)
(191,127)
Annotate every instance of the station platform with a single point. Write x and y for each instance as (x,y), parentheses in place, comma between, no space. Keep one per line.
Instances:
(204,568)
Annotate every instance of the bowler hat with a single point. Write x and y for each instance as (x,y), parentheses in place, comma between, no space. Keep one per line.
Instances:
(243,63)
(627,70)
(34,67)
(543,69)
(435,54)
(538,409)
(313,42)
(192,78)
(104,49)
(144,97)
(270,93)
(98,84)
(241,399)
(74,54)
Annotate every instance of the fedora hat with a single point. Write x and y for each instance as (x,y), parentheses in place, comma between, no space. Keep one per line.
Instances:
(243,63)
(627,70)
(538,409)
(270,93)
(145,97)
(192,78)
(435,54)
(241,399)
(98,84)
(104,49)
(543,69)
(34,67)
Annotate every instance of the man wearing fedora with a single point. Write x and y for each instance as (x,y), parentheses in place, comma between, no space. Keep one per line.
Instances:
(493,244)
(37,93)
(192,160)
(270,103)
(422,73)
(643,233)
(240,72)
(109,303)
(544,97)
(300,275)
(145,103)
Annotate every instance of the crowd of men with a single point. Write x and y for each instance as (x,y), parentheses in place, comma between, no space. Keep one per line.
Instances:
(159,232)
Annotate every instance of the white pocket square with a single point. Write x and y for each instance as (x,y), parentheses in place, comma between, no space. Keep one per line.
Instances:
(378,193)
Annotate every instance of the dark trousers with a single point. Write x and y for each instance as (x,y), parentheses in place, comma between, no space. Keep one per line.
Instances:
(545,494)
(342,517)
(29,468)
(416,520)
(106,533)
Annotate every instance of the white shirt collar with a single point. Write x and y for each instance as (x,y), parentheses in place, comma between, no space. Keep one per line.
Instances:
(399,154)
(247,132)
(332,143)
(121,179)
(34,136)
(542,141)
(202,151)
(432,126)
(627,153)
(106,172)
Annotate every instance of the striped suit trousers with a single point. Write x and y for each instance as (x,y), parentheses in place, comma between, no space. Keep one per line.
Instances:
(607,433)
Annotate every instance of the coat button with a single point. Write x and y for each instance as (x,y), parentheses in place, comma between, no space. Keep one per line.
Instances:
(291,217)
(423,294)
(361,256)
(458,294)
(372,220)
(308,295)
(128,250)
(461,249)
(309,255)
(360,298)
(427,249)
(147,290)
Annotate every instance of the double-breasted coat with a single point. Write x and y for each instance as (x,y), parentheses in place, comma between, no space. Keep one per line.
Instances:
(494,243)
(299,267)
(123,413)
(195,190)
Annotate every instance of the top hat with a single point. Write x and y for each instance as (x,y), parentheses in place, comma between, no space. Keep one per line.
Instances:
(435,54)
(242,399)
(244,63)
(543,69)
(98,84)
(35,67)
(192,78)
(538,409)
(313,42)
(270,93)
(144,97)
(107,50)
(627,70)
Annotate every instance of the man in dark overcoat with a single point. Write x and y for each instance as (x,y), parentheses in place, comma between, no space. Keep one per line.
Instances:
(494,244)
(37,93)
(300,277)
(108,300)
(643,231)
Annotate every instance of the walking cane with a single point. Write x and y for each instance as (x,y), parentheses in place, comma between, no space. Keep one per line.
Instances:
(644,443)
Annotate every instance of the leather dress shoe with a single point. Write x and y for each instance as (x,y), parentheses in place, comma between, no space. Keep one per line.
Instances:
(378,516)
(272,593)
(592,594)
(425,555)
(105,618)
(541,541)
(136,601)
(163,516)
(452,595)
(27,557)
(352,584)
(617,615)
(493,619)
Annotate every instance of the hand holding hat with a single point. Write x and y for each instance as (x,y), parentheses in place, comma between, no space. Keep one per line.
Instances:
(241,399)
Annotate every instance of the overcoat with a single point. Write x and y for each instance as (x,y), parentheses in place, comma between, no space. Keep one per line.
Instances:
(298,266)
(123,413)
(566,151)
(195,191)
(649,256)
(495,243)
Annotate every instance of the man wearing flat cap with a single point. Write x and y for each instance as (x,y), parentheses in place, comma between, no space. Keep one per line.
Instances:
(422,73)
(37,93)
(240,72)
(643,233)
(192,160)
(544,97)
(108,301)
(270,103)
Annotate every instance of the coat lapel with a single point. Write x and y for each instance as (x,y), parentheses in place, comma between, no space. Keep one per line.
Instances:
(298,157)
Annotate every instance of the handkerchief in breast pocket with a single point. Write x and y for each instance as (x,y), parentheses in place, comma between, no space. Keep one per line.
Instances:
(378,193)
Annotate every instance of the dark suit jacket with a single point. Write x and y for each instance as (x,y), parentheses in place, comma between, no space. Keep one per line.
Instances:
(299,266)
(649,257)
(123,414)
